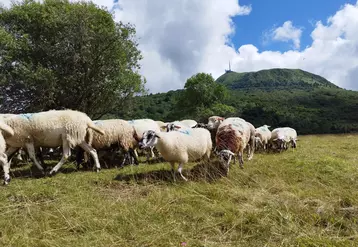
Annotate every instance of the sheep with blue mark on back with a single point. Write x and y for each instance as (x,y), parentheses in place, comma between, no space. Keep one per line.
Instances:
(179,146)
(66,128)
(117,132)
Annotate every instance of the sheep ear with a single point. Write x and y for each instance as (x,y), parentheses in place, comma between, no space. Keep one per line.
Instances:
(177,127)
(163,127)
(157,136)
(221,118)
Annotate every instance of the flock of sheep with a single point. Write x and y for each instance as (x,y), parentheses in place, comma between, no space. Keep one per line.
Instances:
(176,142)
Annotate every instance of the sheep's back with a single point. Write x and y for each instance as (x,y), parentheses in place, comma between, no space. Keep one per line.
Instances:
(117,131)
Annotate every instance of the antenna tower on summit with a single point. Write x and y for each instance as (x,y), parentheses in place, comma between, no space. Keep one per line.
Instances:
(229,70)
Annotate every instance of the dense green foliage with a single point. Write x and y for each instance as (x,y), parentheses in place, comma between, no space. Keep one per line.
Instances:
(306,102)
(59,54)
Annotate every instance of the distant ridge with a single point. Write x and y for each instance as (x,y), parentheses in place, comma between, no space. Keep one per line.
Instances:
(274,78)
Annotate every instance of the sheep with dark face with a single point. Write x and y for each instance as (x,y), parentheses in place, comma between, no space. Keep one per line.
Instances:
(179,146)
(232,137)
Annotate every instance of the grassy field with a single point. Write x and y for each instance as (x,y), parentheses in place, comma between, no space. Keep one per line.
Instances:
(305,197)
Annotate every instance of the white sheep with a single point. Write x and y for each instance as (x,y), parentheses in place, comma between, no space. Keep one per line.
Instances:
(5,130)
(66,128)
(179,147)
(263,136)
(232,137)
(117,132)
(280,137)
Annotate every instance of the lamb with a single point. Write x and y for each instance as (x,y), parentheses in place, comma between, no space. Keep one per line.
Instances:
(66,128)
(6,130)
(280,137)
(179,147)
(263,135)
(117,132)
(232,137)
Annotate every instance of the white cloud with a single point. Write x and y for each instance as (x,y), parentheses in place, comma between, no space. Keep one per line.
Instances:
(288,32)
(179,38)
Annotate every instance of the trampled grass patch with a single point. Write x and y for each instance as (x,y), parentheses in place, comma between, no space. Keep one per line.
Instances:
(302,197)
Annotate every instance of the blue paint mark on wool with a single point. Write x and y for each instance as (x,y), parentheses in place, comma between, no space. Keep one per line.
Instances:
(187,132)
(26,115)
(97,122)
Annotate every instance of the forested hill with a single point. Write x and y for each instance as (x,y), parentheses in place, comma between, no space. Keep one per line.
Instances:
(274,78)
(277,97)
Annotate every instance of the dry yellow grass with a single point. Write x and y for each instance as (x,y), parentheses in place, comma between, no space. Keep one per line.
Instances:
(302,197)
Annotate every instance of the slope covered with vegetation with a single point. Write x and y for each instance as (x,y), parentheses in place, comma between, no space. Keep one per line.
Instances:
(277,97)
(274,78)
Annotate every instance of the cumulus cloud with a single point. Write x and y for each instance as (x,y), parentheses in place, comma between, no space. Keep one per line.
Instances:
(179,39)
(332,54)
(287,32)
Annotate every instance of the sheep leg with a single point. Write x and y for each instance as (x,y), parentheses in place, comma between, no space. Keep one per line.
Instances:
(66,153)
(173,170)
(92,152)
(6,168)
(10,152)
(241,160)
(31,151)
(180,168)
(133,156)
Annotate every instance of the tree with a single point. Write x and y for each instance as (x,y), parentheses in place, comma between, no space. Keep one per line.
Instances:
(58,54)
(201,97)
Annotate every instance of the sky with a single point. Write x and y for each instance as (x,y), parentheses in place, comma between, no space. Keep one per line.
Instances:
(179,38)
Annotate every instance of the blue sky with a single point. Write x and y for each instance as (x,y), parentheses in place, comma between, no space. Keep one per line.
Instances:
(266,14)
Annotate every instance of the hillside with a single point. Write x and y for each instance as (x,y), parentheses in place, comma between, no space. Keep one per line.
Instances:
(274,78)
(278,97)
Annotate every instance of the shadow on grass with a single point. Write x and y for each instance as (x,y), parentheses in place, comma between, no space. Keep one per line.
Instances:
(203,171)
(28,170)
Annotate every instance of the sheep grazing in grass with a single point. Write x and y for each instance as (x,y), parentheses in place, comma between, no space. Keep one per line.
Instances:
(263,136)
(5,130)
(281,137)
(232,137)
(66,128)
(118,133)
(178,147)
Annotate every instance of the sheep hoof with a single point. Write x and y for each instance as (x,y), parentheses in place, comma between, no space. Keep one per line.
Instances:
(98,169)
(7,181)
